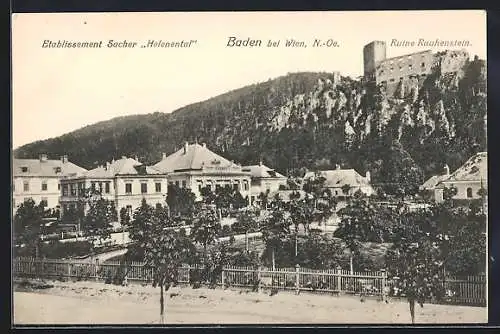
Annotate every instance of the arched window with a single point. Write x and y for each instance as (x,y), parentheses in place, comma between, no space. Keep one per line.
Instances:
(469,192)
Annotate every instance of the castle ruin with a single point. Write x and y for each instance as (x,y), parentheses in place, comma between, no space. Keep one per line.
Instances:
(393,72)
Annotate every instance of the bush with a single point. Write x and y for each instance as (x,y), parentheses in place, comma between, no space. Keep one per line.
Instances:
(57,249)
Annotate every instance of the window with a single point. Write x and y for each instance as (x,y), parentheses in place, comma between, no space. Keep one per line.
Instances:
(92,186)
(44,201)
(72,188)
(177,183)
(469,192)
(65,190)
(57,169)
(100,187)
(391,80)
(423,64)
(158,187)
(106,187)
(58,186)
(24,169)
(26,186)
(129,210)
(245,185)
(183,184)
(236,187)
(128,188)
(410,66)
(144,188)
(81,189)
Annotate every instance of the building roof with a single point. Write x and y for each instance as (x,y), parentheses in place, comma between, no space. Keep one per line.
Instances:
(44,167)
(123,166)
(433,181)
(192,157)
(340,177)
(262,171)
(475,169)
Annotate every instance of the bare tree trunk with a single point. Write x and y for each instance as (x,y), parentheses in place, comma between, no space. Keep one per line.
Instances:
(296,245)
(412,310)
(351,264)
(162,305)
(246,241)
(272,254)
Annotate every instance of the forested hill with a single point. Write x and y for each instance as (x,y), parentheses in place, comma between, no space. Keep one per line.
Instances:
(306,120)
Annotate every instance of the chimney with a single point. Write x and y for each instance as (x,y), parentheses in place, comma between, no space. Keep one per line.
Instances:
(260,162)
(163,156)
(337,167)
(368,176)
(446,170)
(186,144)
(64,159)
(43,157)
(107,165)
(124,157)
(204,145)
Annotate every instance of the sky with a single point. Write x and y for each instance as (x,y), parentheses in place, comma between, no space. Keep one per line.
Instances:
(59,90)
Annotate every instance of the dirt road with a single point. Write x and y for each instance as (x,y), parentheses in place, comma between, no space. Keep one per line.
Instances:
(98,303)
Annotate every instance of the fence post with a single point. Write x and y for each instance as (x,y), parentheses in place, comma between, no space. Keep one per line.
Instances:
(297,279)
(259,287)
(96,269)
(384,284)
(222,278)
(339,279)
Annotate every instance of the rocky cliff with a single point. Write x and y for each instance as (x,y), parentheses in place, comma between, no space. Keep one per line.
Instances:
(306,120)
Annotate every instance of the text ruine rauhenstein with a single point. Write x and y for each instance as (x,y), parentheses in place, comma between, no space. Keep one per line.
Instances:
(112,43)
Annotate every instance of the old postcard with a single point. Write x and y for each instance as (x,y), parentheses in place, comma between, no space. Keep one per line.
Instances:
(249,168)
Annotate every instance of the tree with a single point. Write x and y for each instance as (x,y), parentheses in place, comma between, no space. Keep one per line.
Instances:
(362,221)
(180,201)
(125,216)
(206,228)
(416,258)
(208,195)
(27,224)
(315,186)
(301,213)
(400,173)
(164,251)
(276,228)
(319,252)
(264,199)
(246,222)
(101,213)
(345,189)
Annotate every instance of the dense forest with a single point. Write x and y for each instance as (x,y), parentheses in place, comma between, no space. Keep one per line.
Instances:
(307,121)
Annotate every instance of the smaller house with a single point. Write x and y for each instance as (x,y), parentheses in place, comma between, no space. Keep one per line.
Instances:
(263,180)
(39,179)
(469,179)
(429,186)
(344,182)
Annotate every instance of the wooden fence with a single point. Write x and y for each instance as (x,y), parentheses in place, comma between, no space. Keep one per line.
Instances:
(464,291)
